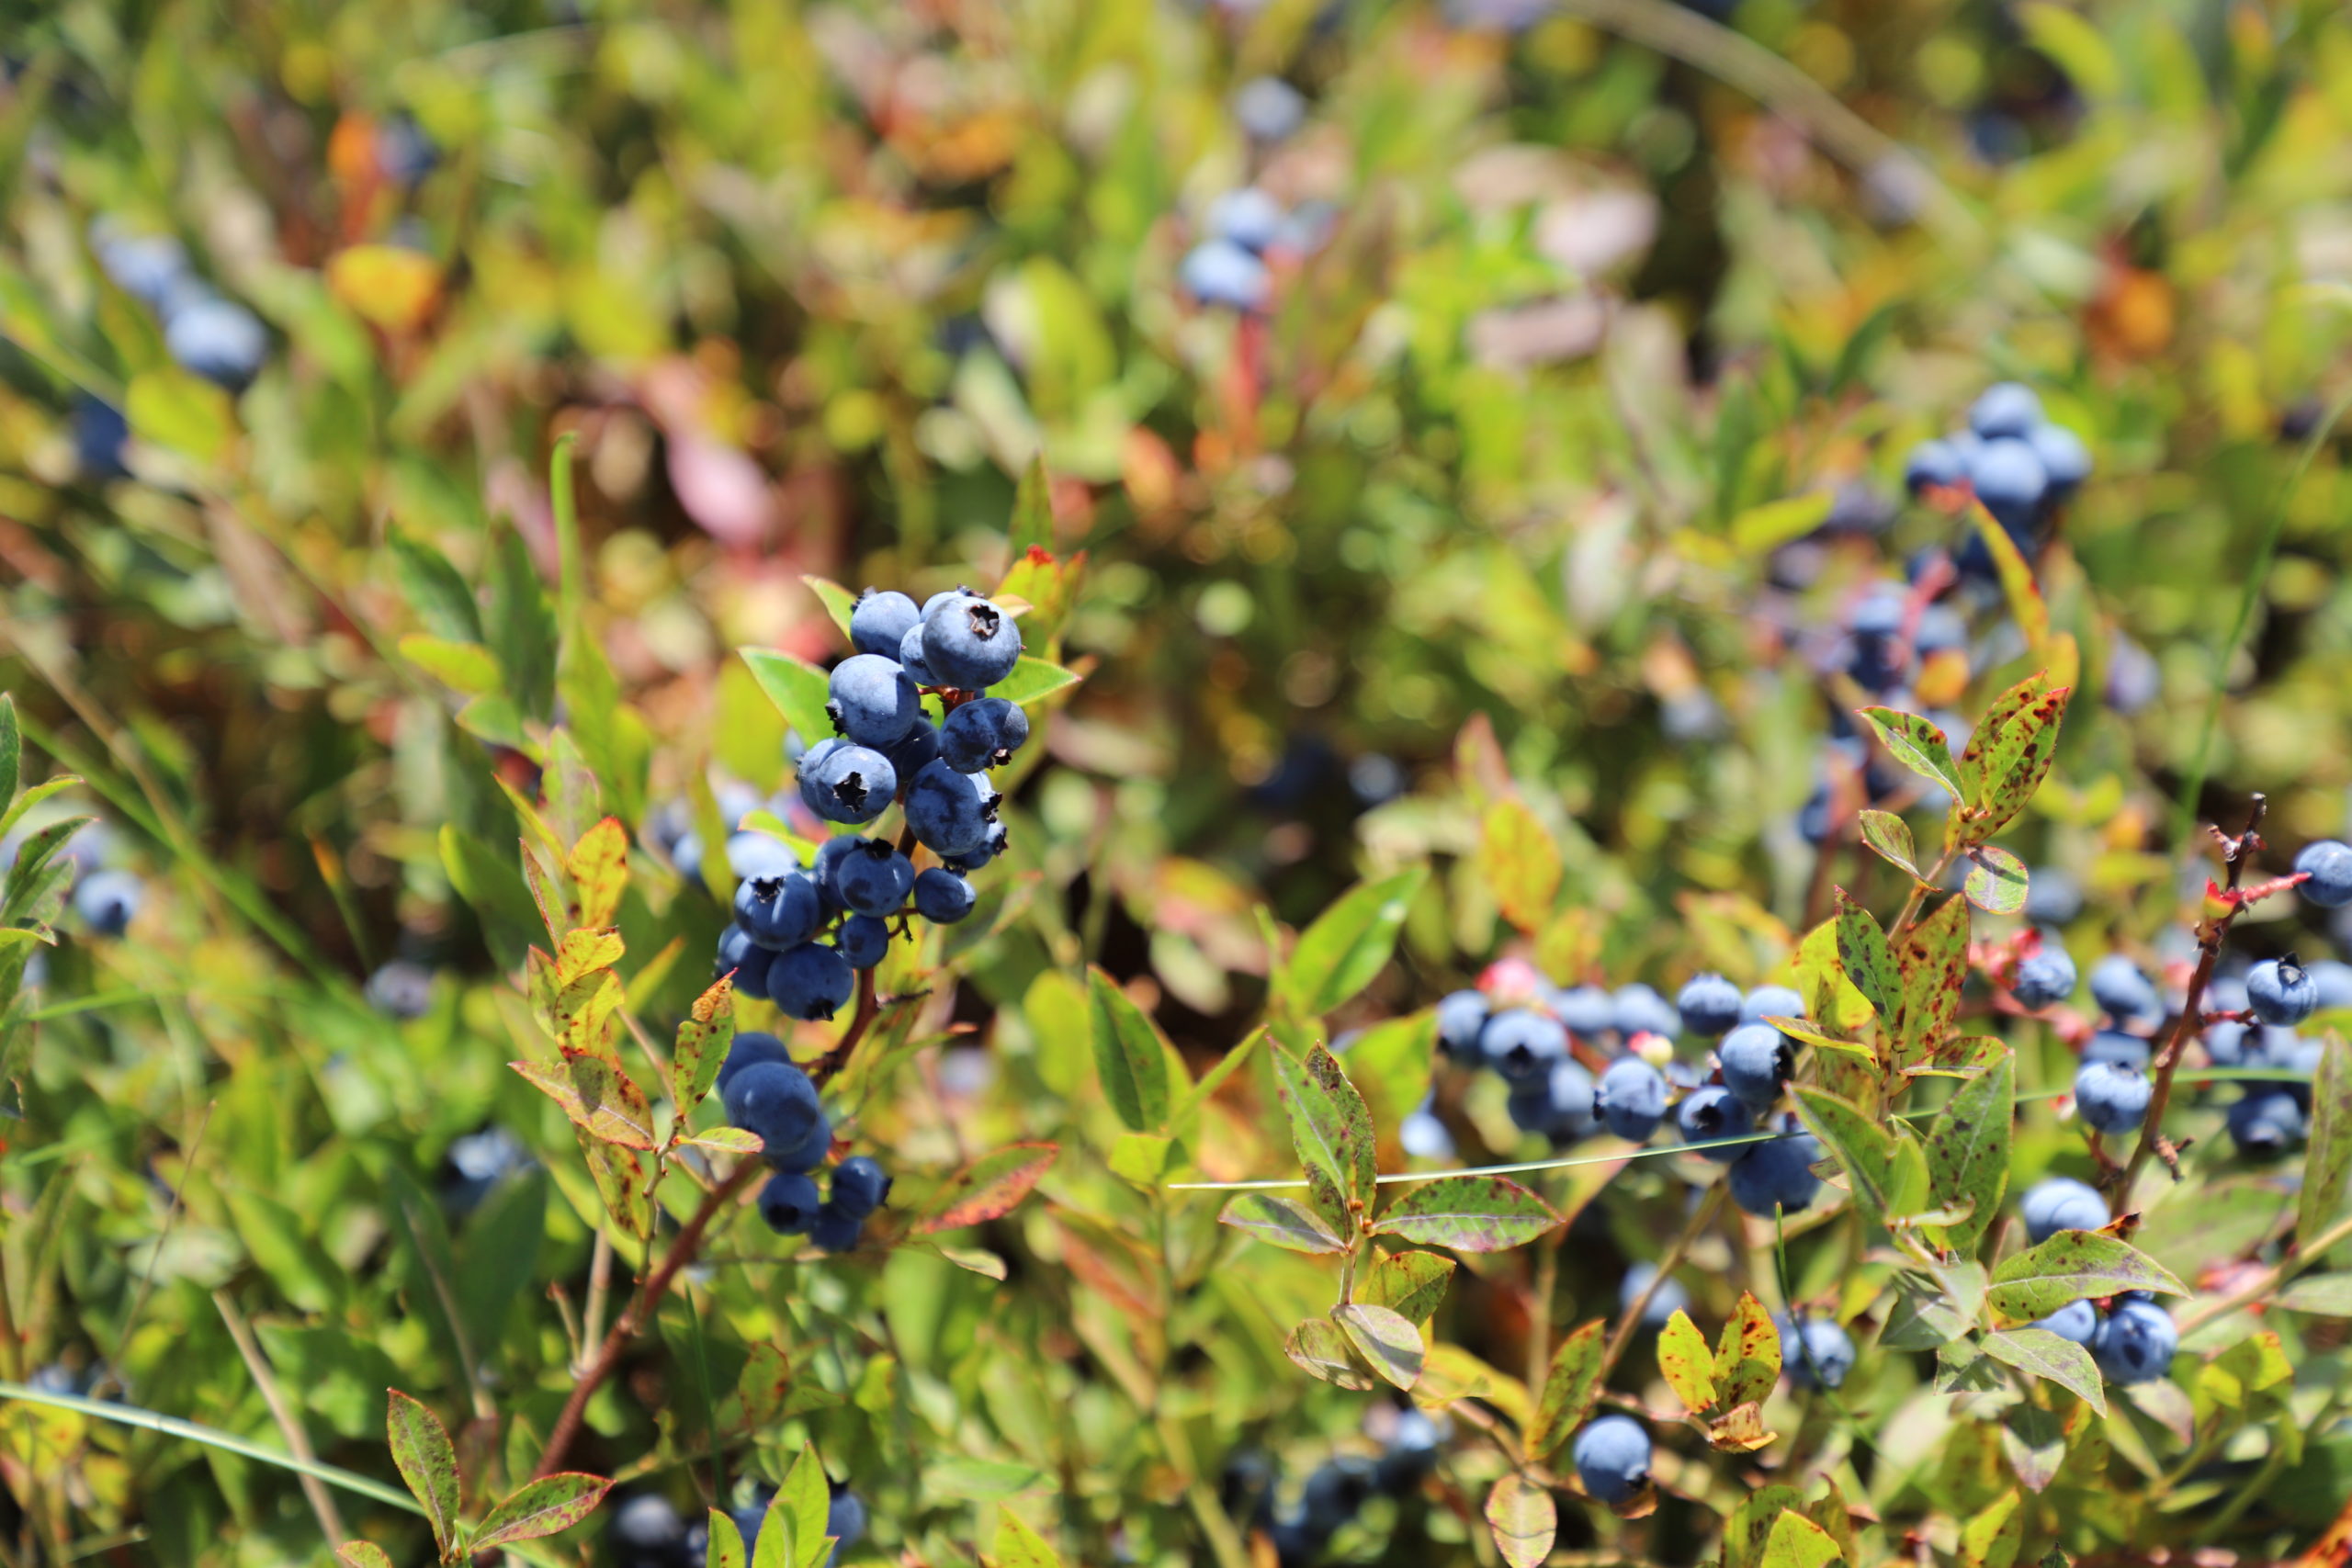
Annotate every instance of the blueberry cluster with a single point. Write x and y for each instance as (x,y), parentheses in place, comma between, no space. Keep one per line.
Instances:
(1540,1038)
(1336,1490)
(106,898)
(647,1531)
(215,338)
(887,749)
(766,1095)
(2133,1340)
(1244,227)
(2011,458)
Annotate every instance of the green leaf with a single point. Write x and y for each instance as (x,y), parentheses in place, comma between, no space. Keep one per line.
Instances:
(1032,523)
(1129,1056)
(1997,880)
(1933,963)
(2019,761)
(1571,1389)
(2320,1295)
(1019,1546)
(362,1554)
(434,589)
(1797,1542)
(1391,1062)
(1351,941)
(2067,1268)
(1748,1355)
(838,601)
(1281,1221)
(725,1549)
(548,1506)
(1753,1521)
(521,624)
(1686,1363)
(1318,1347)
(1468,1214)
(1968,1152)
(1891,837)
(2026,604)
(177,410)
(1988,731)
(598,865)
(2076,45)
(25,879)
(1389,1341)
(1868,961)
(1330,1133)
(11,812)
(1519,862)
(1764,528)
(2330,1151)
(422,1453)
(1832,1001)
(798,689)
(1410,1283)
(1991,1535)
(1033,681)
(1524,1520)
(704,1039)
(802,1505)
(991,1187)
(1917,743)
(2046,1355)
(12,750)
(1860,1144)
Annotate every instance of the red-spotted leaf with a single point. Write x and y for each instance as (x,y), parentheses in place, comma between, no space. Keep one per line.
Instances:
(1330,1130)
(599,868)
(1468,1214)
(1863,953)
(1570,1390)
(548,1506)
(601,1099)
(1933,964)
(990,1188)
(704,1039)
(2017,761)
(1319,1350)
(1388,1341)
(1281,1221)
(584,949)
(2052,1355)
(2070,1266)
(1410,1283)
(421,1452)
(1968,1152)
(1917,743)
(725,1548)
(1686,1363)
(1891,837)
(1748,1355)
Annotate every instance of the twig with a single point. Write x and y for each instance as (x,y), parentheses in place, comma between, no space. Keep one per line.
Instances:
(147,1280)
(298,1441)
(2205,1309)
(1700,1218)
(485,1409)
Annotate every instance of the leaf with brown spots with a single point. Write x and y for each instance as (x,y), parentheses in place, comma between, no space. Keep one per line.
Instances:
(1570,1390)
(1409,1283)
(1321,1350)
(1933,963)
(1868,961)
(1747,1354)
(1740,1429)
(989,1187)
(599,868)
(704,1040)
(1988,732)
(1524,1520)
(2017,762)
(589,947)
(1683,1361)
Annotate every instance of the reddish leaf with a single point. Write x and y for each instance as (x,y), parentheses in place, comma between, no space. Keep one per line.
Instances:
(991,1187)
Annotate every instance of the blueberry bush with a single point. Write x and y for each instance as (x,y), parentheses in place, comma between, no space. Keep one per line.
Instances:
(1472,781)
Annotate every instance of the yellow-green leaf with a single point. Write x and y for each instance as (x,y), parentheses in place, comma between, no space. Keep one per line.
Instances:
(1685,1362)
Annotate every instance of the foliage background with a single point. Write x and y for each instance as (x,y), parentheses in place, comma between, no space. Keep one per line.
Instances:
(811,285)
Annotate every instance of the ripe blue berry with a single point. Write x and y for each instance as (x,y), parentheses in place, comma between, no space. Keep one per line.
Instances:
(2114,1047)
(1778,1174)
(2078,1321)
(646,1530)
(220,340)
(774,1102)
(750,854)
(1587,1011)
(1770,1001)
(1248,217)
(991,846)
(746,959)
(1709,1114)
(846,1521)
(2128,995)
(983,733)
(863,941)
(1638,1009)
(2062,1203)
(776,911)
(1460,1016)
(1556,1105)
(830,855)
(871,701)
(1218,272)
(2265,1123)
(1522,1045)
(2054,897)
(950,812)
(1632,1098)
(834,1231)
(1337,1490)
(1612,1457)
(1815,1352)
(2064,457)
(401,989)
(1664,1302)
(2010,480)
(107,900)
(915,750)
(1267,108)
(2333,979)
(859,1187)
(749,1049)
(942,898)
(2005,408)
(1932,463)
(1757,1059)
(880,620)
(874,878)
(2328,864)
(970,643)
(2044,978)
(910,659)
(843,781)
(789,1203)
(100,433)
(1709,1005)
(811,981)
(2136,1342)
(2111,1099)
(148,268)
(2281,991)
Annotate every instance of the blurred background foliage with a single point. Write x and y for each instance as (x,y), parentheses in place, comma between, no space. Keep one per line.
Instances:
(1578,411)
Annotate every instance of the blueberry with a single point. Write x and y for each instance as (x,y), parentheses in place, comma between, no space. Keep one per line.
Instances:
(1757,1059)
(789,1203)
(809,981)
(100,433)
(1218,272)
(950,812)
(1409,1454)
(2009,479)
(752,853)
(2333,979)
(1664,1302)
(2111,1099)
(646,1531)
(1709,1005)
(970,643)
(2136,1342)
(915,750)
(1337,1490)
(1522,1045)
(107,900)
(874,878)
(2114,1047)
(2226,1043)
(1267,108)
(880,620)
(2005,408)
(1632,1099)
(738,952)
(777,911)
(2044,978)
(1424,1136)
(830,855)
(2062,1203)
(1612,1457)
(1778,1174)
(1638,1009)
(401,989)
(1248,217)
(1770,1001)
(148,268)
(2328,865)
(2265,1123)
(846,783)
(863,941)
(1587,1010)
(1460,1016)
(1557,1105)
(774,1102)
(1932,464)
(1709,1114)
(871,700)
(2281,991)
(2128,995)
(749,1049)
(983,733)
(910,659)
(218,339)
(1814,1351)
(845,1520)
(942,898)
(2078,1321)
(2064,457)
(991,846)
(859,1187)
(804,1154)
(834,1231)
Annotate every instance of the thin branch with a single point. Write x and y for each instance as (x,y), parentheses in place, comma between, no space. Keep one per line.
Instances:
(1700,1218)
(298,1441)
